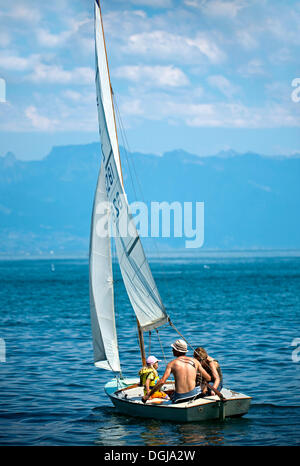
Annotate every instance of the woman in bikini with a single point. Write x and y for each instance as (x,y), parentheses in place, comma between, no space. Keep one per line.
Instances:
(212,367)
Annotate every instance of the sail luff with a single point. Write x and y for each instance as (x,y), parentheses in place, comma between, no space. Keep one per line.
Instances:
(106,87)
(111,91)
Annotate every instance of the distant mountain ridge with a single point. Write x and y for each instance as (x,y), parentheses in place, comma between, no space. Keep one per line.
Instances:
(251,201)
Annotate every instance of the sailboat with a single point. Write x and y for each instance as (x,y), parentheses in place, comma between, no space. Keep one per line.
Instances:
(110,214)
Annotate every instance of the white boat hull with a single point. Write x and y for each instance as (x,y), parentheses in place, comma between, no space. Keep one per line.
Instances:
(129,402)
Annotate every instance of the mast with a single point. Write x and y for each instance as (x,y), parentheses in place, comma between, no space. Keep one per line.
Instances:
(140,330)
(141,341)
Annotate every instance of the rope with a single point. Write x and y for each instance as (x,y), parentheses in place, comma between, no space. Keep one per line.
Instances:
(132,172)
(149,342)
(162,349)
(180,334)
(125,147)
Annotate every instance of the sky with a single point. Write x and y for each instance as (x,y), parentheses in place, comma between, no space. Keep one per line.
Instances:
(200,75)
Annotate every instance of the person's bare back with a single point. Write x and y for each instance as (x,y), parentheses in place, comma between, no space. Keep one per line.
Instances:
(184,370)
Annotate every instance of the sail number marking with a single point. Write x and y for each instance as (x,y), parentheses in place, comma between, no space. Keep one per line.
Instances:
(117,204)
(109,177)
(109,181)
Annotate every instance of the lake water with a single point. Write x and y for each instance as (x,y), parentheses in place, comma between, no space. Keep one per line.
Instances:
(243,310)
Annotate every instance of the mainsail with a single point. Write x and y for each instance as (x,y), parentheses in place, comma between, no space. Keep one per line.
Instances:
(136,273)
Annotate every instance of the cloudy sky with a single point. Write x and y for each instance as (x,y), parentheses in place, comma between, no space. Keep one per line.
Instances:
(200,75)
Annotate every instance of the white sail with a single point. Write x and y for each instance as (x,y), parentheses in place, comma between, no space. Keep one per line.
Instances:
(106,96)
(106,354)
(136,273)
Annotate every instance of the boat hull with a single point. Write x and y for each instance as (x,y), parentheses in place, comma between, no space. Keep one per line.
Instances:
(129,402)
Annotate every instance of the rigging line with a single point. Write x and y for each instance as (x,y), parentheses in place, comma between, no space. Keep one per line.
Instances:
(126,150)
(126,146)
(162,349)
(180,334)
(194,350)
(125,143)
(149,342)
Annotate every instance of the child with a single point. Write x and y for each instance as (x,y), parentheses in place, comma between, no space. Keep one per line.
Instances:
(149,377)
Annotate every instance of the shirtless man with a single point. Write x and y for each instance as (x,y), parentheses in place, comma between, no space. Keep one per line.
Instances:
(184,370)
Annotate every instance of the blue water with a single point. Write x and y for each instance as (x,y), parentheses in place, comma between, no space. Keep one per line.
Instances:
(244,311)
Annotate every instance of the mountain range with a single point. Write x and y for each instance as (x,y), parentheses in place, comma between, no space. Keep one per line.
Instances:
(251,201)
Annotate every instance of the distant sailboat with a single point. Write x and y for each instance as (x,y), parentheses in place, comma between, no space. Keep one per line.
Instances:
(111,209)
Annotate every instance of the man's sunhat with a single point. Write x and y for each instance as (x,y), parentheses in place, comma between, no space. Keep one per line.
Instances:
(152,360)
(180,346)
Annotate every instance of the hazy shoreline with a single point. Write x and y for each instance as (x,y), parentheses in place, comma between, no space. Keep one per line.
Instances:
(180,254)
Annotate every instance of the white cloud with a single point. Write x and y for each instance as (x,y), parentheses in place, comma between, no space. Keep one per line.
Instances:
(38,121)
(52,113)
(10,61)
(153,3)
(260,186)
(163,44)
(49,39)
(155,76)
(282,55)
(72,95)
(21,13)
(247,38)
(83,97)
(278,91)
(25,13)
(253,67)
(236,115)
(283,27)
(140,13)
(193,3)
(40,72)
(228,9)
(5,39)
(207,48)
(223,85)
(43,73)
(190,111)
(132,107)
(224,8)
(177,58)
